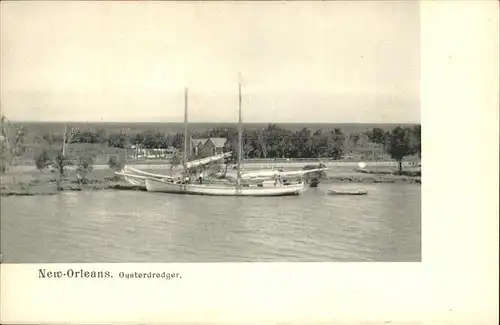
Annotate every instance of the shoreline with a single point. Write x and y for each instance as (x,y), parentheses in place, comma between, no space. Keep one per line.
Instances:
(250,164)
(50,188)
(23,189)
(29,183)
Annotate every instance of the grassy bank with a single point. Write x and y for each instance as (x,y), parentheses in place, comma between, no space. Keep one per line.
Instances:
(383,170)
(372,178)
(36,183)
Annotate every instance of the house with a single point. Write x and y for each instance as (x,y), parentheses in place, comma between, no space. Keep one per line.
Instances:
(196,146)
(215,146)
(207,147)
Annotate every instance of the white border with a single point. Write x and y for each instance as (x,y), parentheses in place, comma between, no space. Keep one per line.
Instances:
(457,281)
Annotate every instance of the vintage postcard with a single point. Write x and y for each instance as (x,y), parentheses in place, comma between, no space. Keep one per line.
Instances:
(253,162)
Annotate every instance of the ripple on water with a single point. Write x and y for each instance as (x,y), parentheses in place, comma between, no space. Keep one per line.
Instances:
(123,226)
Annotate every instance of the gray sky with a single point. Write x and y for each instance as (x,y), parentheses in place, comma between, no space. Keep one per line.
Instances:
(356,61)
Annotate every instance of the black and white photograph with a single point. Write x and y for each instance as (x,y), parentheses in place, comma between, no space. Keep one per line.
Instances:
(207,132)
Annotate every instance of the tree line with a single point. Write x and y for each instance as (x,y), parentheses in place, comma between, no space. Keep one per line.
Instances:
(272,141)
(275,142)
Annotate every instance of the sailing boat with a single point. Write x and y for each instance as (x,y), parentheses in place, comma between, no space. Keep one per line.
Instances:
(138,177)
(239,189)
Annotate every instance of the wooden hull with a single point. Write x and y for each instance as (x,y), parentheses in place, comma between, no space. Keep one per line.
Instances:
(154,185)
(338,192)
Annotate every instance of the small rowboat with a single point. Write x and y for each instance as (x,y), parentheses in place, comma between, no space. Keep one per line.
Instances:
(347,192)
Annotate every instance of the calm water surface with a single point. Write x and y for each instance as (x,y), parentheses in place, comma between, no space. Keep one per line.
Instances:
(126,226)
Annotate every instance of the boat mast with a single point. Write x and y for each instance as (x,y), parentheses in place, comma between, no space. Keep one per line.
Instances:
(184,161)
(238,179)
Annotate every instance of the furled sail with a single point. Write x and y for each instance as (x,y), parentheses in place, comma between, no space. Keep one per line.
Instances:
(204,161)
(131,172)
(274,173)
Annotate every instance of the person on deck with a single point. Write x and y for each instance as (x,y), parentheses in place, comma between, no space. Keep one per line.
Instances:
(201,178)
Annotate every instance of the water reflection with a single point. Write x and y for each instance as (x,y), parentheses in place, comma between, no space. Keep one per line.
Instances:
(151,227)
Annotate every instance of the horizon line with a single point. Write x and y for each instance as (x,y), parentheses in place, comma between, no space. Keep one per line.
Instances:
(211,122)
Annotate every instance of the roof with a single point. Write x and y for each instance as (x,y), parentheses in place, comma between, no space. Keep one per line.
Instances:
(219,142)
(197,142)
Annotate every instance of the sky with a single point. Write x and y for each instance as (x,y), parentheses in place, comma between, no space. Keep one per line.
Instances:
(338,62)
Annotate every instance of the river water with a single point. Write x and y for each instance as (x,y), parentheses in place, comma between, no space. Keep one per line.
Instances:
(129,226)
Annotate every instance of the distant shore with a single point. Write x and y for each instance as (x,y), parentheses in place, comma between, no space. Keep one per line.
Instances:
(32,182)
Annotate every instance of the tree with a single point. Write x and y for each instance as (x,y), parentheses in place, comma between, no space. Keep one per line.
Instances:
(302,143)
(60,164)
(399,145)
(387,140)
(354,139)
(117,140)
(161,139)
(85,167)
(68,138)
(100,136)
(319,144)
(252,148)
(42,160)
(19,142)
(175,160)
(12,143)
(231,146)
(5,150)
(4,155)
(138,139)
(376,135)
(262,137)
(416,140)
(151,139)
(114,163)
(86,136)
(339,140)
(177,141)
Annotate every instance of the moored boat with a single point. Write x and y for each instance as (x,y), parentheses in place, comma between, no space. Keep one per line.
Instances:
(137,177)
(347,192)
(157,185)
(315,174)
(279,188)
